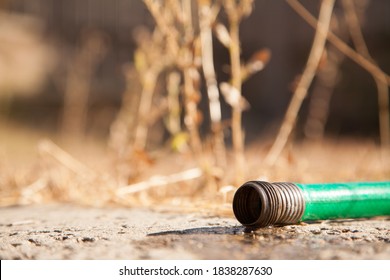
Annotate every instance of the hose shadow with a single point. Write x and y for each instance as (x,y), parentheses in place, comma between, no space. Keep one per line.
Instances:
(232,230)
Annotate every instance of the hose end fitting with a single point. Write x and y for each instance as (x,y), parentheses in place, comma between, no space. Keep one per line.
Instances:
(260,204)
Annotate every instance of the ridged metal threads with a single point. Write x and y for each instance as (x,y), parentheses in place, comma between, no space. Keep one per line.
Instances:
(260,204)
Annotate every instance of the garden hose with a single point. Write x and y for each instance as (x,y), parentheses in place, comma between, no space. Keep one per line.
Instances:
(259,204)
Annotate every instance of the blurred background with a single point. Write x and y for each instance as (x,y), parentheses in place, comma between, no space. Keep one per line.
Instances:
(41,39)
(66,65)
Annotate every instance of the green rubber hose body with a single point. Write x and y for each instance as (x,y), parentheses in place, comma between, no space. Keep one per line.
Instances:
(259,204)
(345,200)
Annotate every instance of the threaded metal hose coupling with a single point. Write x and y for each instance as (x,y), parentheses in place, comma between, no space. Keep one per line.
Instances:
(260,204)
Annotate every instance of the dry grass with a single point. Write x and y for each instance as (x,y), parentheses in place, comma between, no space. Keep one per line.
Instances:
(194,172)
(84,174)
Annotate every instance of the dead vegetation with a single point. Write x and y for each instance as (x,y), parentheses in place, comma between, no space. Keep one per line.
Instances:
(164,90)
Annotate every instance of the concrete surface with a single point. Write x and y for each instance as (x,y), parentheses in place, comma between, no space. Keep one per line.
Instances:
(73,232)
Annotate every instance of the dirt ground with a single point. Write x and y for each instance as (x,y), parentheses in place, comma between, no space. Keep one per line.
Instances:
(73,232)
(196,221)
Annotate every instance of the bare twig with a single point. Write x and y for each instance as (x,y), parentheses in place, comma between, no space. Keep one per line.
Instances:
(180,40)
(21,223)
(191,119)
(382,87)
(48,147)
(35,187)
(151,58)
(125,121)
(304,83)
(141,131)
(384,115)
(78,85)
(156,9)
(173,89)
(324,85)
(158,181)
(30,192)
(354,27)
(238,137)
(235,11)
(337,42)
(256,63)
(191,80)
(206,17)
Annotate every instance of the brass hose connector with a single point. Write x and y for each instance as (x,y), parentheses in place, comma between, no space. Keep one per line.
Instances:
(260,204)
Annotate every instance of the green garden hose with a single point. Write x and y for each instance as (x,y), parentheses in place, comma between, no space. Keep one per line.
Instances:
(259,204)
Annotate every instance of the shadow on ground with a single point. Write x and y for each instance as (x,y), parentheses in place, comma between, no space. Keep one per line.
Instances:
(72,232)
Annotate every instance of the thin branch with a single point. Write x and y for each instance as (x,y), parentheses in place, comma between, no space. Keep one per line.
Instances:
(180,41)
(234,16)
(323,89)
(156,9)
(206,19)
(48,147)
(237,133)
(29,191)
(148,87)
(382,87)
(384,116)
(173,121)
(208,64)
(158,181)
(337,42)
(79,83)
(192,95)
(191,100)
(300,93)
(324,85)
(355,31)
